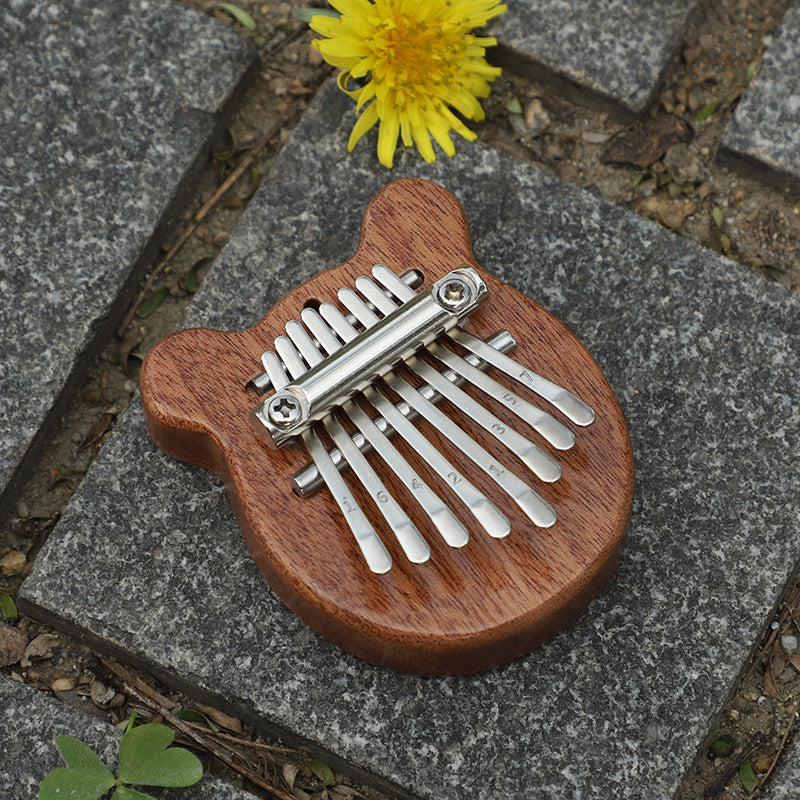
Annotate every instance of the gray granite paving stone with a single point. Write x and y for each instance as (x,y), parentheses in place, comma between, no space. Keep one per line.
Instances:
(30,721)
(705,359)
(616,49)
(763,134)
(785,784)
(106,109)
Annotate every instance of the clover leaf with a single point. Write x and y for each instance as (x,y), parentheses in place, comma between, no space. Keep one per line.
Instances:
(145,759)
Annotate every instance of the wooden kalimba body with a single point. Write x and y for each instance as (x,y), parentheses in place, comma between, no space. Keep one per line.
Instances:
(411,491)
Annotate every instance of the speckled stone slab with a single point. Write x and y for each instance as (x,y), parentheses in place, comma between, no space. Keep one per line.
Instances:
(30,721)
(785,785)
(106,109)
(616,49)
(763,134)
(705,359)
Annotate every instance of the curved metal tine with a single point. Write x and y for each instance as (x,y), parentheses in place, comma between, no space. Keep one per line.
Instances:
(445,521)
(548,427)
(572,407)
(372,548)
(535,507)
(410,539)
(392,283)
(375,295)
(488,515)
(541,464)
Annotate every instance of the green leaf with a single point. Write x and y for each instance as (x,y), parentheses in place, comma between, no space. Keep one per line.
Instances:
(193,715)
(723,746)
(85,777)
(746,774)
(513,106)
(751,71)
(706,111)
(716,214)
(322,771)
(145,758)
(126,793)
(192,281)
(63,782)
(224,155)
(8,608)
(306,14)
(153,302)
(82,758)
(240,15)
(255,182)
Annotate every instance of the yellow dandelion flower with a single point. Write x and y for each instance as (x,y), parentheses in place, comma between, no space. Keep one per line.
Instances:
(420,60)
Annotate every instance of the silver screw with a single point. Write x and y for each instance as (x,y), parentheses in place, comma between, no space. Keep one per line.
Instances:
(284,410)
(454,294)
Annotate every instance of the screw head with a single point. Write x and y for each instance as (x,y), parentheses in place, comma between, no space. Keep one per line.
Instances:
(455,293)
(284,410)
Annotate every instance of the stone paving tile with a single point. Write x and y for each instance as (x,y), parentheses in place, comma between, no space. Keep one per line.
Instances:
(763,135)
(30,721)
(106,109)
(704,357)
(614,48)
(785,784)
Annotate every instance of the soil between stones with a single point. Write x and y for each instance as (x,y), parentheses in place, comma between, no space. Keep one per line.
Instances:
(661,167)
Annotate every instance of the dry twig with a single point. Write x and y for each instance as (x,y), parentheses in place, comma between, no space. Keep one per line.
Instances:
(251,156)
(133,686)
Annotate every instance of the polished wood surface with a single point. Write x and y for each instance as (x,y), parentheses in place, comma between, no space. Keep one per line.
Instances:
(466,609)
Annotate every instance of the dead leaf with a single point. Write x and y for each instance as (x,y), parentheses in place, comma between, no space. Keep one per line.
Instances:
(794,660)
(645,142)
(222,719)
(771,684)
(40,647)
(98,430)
(12,644)
(289,771)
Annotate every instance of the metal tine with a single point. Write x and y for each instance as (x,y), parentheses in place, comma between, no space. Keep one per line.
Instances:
(493,521)
(306,480)
(375,554)
(409,538)
(570,406)
(445,521)
(535,507)
(567,403)
(548,427)
(541,464)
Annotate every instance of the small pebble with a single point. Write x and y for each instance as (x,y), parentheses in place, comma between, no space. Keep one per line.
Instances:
(64,684)
(789,643)
(536,118)
(22,510)
(762,764)
(101,694)
(12,562)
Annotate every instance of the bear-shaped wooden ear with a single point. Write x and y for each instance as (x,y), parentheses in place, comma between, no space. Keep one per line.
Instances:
(429,469)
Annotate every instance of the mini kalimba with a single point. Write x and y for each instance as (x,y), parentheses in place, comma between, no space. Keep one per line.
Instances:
(411,491)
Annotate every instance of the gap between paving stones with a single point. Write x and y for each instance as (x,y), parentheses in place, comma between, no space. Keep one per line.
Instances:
(583,167)
(195,122)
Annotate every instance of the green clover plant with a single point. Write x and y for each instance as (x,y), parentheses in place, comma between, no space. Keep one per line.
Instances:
(145,759)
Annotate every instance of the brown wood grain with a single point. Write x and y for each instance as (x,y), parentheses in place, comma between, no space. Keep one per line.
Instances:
(466,609)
